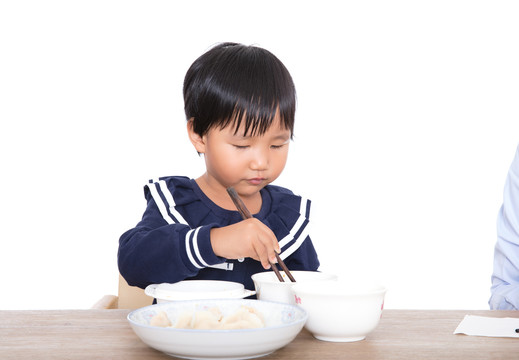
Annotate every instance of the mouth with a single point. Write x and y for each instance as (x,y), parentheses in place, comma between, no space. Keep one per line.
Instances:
(256,181)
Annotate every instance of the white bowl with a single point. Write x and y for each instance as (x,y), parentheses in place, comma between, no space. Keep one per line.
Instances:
(339,311)
(197,289)
(268,287)
(282,324)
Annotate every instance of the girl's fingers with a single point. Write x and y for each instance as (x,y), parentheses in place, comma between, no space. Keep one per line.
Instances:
(261,253)
(271,243)
(267,250)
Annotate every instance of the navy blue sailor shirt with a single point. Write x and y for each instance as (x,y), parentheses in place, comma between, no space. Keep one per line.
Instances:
(171,243)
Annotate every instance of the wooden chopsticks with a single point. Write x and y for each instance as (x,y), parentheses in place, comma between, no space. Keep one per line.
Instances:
(245,214)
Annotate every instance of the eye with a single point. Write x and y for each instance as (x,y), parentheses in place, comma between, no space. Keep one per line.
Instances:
(277,146)
(241,147)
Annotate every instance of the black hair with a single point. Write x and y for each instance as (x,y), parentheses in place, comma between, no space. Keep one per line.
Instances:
(233,82)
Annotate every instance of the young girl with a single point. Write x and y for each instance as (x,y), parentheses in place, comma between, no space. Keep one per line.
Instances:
(240,107)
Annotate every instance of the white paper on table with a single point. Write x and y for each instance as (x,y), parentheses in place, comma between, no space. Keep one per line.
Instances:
(488,326)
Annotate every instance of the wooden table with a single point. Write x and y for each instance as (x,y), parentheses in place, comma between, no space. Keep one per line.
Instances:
(106,334)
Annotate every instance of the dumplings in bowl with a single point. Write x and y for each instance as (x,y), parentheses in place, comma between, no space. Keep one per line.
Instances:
(245,317)
(281,324)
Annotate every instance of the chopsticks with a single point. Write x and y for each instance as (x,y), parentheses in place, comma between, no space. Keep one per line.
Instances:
(245,214)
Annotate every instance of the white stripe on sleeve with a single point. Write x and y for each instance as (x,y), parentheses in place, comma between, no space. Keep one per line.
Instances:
(297,226)
(171,202)
(296,244)
(188,249)
(160,203)
(302,209)
(197,250)
(300,221)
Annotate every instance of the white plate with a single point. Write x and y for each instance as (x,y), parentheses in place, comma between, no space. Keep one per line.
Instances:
(197,289)
(282,324)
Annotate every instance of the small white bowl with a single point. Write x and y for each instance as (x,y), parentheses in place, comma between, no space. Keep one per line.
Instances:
(282,324)
(197,289)
(339,311)
(269,288)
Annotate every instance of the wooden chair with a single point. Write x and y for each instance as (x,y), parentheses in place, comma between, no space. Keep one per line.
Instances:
(130,297)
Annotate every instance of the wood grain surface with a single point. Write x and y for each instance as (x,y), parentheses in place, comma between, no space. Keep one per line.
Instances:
(106,334)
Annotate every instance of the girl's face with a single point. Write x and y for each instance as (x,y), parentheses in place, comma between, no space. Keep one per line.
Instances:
(248,163)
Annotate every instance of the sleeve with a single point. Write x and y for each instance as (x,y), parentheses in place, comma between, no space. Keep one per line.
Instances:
(505,276)
(163,248)
(297,249)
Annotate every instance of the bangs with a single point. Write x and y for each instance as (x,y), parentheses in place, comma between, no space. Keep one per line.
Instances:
(256,118)
(243,86)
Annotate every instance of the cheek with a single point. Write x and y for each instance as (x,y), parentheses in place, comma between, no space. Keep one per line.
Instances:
(280,161)
(224,161)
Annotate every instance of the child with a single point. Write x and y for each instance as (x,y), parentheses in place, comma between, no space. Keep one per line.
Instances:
(240,107)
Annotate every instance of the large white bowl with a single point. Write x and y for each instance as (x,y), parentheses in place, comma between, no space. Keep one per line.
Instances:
(339,311)
(197,289)
(268,287)
(282,324)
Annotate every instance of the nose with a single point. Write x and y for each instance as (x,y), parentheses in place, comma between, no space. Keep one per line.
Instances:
(260,160)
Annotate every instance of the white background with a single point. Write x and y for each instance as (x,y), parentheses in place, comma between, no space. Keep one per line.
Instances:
(407,122)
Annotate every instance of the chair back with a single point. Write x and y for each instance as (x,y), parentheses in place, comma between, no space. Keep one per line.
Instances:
(131,297)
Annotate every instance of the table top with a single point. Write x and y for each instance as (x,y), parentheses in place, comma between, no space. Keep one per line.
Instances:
(401,334)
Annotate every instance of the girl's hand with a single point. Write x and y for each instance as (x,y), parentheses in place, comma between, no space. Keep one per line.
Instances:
(248,238)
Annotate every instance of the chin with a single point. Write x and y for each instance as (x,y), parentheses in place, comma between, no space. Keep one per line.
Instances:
(250,189)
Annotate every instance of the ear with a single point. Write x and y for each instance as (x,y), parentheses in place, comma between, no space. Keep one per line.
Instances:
(197,140)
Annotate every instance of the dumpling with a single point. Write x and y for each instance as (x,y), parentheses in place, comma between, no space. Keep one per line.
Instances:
(160,319)
(203,319)
(244,318)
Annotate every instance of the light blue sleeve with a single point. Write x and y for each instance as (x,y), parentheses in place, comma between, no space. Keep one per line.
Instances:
(505,276)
